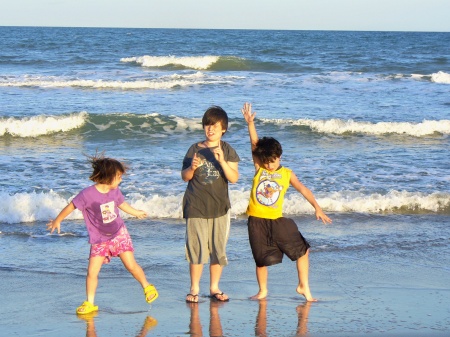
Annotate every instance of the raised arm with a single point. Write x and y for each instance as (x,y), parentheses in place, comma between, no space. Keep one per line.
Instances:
(306,192)
(250,119)
(56,224)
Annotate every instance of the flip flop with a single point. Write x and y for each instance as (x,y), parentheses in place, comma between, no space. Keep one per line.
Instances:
(86,308)
(193,296)
(150,290)
(217,298)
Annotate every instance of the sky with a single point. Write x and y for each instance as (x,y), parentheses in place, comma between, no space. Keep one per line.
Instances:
(367,15)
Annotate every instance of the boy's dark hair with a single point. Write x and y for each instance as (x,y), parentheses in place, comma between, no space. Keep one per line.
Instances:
(267,149)
(105,169)
(213,115)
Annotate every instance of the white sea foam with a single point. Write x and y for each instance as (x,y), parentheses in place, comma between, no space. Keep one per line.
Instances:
(41,125)
(30,207)
(164,82)
(192,62)
(338,126)
(440,77)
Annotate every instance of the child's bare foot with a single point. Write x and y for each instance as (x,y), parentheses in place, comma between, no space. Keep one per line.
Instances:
(259,296)
(306,293)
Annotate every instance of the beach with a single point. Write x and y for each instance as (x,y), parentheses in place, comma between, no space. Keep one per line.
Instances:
(364,122)
(360,292)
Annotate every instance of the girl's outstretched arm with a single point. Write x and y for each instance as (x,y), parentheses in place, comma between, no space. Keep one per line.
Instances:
(133,211)
(56,224)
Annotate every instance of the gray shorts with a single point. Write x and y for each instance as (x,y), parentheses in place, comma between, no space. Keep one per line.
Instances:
(207,239)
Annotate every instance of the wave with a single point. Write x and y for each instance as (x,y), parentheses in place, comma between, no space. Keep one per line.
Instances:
(342,127)
(41,125)
(42,206)
(210,63)
(160,126)
(439,77)
(152,125)
(163,82)
(190,62)
(200,78)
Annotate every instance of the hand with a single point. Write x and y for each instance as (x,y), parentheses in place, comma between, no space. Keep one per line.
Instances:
(140,214)
(218,153)
(52,225)
(196,162)
(320,215)
(247,113)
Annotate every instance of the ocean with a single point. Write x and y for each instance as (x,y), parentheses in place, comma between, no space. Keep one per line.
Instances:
(363,118)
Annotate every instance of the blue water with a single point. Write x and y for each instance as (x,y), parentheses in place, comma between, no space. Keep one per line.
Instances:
(363,117)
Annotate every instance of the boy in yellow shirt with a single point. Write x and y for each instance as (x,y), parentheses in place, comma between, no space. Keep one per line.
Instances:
(272,235)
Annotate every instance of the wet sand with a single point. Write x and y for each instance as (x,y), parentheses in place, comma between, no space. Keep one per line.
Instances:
(357,297)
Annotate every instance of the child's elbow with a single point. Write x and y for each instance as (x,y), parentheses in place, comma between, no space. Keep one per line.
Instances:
(234,180)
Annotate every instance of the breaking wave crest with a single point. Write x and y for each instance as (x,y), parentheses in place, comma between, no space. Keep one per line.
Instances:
(42,206)
(342,127)
(41,125)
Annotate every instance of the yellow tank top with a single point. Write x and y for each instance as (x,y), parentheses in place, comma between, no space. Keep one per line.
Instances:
(268,190)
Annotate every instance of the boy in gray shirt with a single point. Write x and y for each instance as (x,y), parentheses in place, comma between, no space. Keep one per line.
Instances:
(208,166)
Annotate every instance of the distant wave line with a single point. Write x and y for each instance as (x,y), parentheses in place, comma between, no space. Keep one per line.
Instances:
(192,62)
(164,82)
(341,127)
(173,81)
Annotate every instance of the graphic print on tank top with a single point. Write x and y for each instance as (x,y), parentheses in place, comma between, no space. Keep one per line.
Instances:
(268,190)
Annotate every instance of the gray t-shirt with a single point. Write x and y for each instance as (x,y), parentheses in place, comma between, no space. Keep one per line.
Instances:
(206,194)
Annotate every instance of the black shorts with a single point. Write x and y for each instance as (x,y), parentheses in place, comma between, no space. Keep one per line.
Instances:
(271,238)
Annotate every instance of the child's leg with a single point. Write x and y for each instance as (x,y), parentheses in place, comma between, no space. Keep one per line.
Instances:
(218,232)
(196,253)
(195,271)
(261,276)
(134,268)
(95,264)
(303,277)
(215,272)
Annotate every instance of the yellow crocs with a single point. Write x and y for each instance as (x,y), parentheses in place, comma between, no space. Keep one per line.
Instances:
(86,308)
(150,290)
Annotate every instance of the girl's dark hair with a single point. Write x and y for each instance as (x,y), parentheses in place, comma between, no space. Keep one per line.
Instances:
(267,149)
(105,169)
(213,115)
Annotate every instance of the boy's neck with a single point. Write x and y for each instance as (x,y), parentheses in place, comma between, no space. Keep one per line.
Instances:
(207,143)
